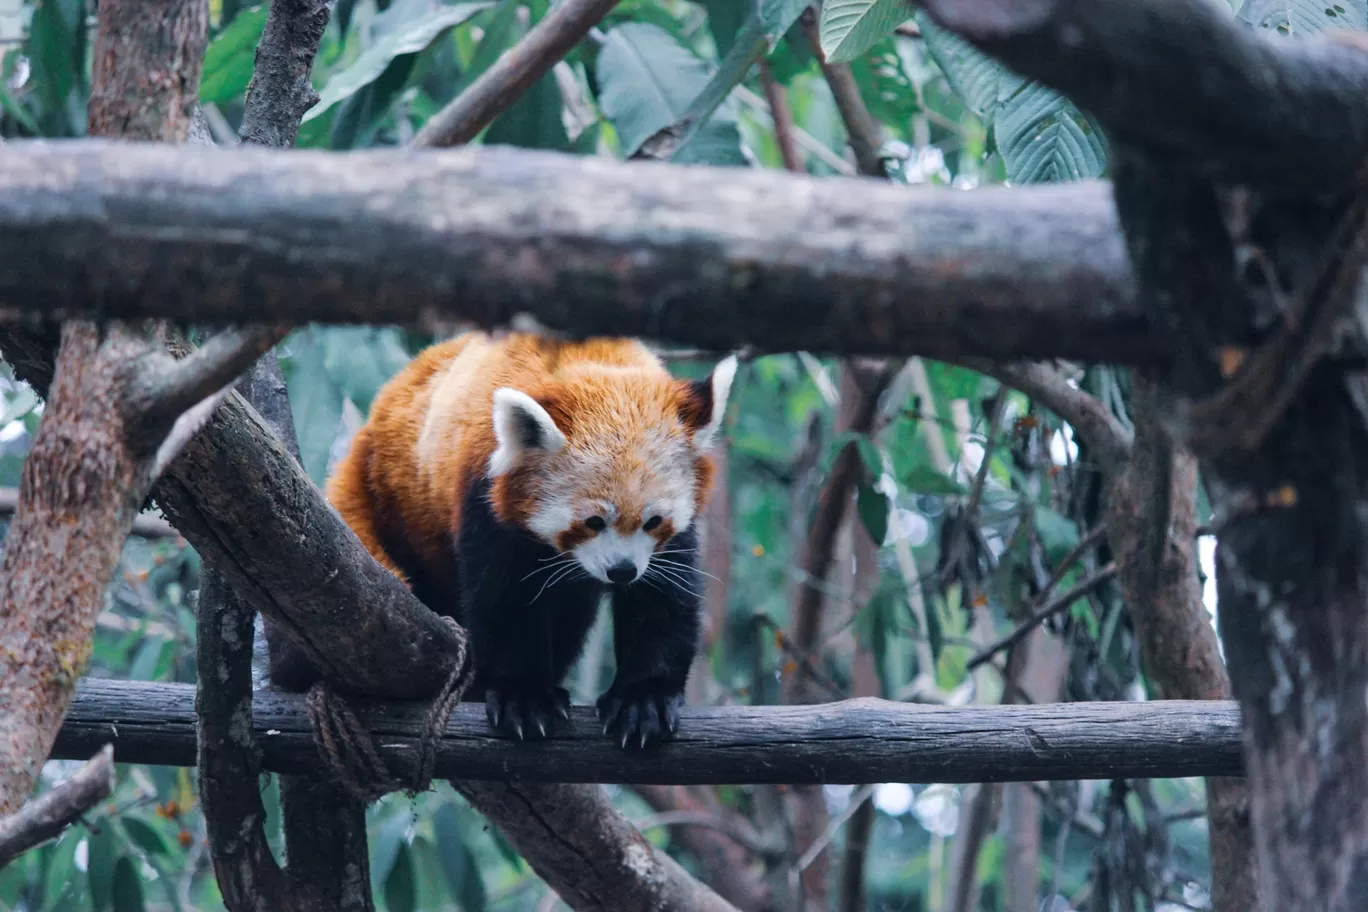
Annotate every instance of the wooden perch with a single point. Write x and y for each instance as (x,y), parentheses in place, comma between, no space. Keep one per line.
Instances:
(854,741)
(713,258)
(46,816)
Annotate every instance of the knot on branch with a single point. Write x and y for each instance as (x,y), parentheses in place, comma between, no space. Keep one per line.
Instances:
(349,751)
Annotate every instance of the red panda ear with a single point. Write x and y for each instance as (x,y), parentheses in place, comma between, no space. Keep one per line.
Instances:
(521,426)
(703,403)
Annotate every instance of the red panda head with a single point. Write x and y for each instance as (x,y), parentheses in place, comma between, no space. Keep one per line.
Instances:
(607,463)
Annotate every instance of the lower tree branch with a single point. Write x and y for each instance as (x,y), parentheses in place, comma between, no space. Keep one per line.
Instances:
(579,244)
(729,864)
(1091,420)
(853,741)
(563,27)
(46,816)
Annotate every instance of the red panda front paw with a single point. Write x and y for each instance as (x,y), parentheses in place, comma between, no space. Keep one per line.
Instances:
(634,715)
(526,714)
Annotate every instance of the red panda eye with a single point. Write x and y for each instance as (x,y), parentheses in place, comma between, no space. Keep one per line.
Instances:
(595,524)
(652,523)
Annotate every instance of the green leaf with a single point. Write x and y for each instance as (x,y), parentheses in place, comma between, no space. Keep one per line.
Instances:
(926,480)
(315,399)
(360,116)
(415,26)
(361,359)
(56,52)
(1299,18)
(100,857)
(58,880)
(458,863)
(1058,535)
(874,508)
(230,57)
(887,89)
(23,402)
(851,27)
(1044,138)
(128,888)
(976,78)
(145,837)
(648,81)
(869,455)
(724,21)
(401,893)
(534,121)
(384,850)
(777,16)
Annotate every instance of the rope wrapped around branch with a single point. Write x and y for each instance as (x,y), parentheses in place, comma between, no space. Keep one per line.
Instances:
(349,751)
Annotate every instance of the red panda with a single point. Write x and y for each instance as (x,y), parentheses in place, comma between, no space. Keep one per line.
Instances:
(512,481)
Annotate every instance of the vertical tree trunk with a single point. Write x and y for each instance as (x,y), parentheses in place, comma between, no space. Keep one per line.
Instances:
(83,482)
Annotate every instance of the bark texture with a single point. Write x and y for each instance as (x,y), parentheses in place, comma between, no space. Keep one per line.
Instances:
(46,817)
(145,69)
(705,258)
(853,741)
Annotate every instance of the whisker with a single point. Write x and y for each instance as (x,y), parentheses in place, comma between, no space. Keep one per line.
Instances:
(565,558)
(677,551)
(552,580)
(675,579)
(683,566)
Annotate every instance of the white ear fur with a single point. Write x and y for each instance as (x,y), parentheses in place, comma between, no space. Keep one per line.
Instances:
(521,426)
(722,377)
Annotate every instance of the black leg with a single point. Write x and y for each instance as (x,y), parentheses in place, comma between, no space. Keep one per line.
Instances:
(655,632)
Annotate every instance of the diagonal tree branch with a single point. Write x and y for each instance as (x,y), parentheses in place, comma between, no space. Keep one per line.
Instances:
(563,27)
(162,392)
(48,815)
(1090,419)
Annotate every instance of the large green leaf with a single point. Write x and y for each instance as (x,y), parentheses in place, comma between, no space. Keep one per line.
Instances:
(56,53)
(873,507)
(647,82)
(315,399)
(851,27)
(230,57)
(534,121)
(411,27)
(1044,138)
(458,863)
(777,16)
(1040,134)
(145,836)
(127,893)
(100,857)
(361,359)
(1299,18)
(401,892)
(724,21)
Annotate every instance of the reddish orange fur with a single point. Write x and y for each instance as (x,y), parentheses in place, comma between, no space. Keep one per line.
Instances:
(381,486)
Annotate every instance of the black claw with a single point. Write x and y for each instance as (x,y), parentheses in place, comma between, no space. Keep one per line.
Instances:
(636,715)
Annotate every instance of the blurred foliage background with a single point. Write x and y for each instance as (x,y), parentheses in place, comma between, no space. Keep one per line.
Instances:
(967,501)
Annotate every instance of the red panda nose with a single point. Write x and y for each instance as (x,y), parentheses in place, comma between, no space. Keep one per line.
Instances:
(624,572)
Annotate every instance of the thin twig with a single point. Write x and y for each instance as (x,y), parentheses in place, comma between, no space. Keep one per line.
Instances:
(749,841)
(186,383)
(1092,538)
(518,68)
(862,130)
(811,144)
(996,409)
(782,115)
(857,798)
(1104,433)
(46,816)
(1041,614)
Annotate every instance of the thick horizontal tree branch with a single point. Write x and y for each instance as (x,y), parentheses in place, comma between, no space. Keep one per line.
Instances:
(703,257)
(1186,80)
(46,816)
(853,741)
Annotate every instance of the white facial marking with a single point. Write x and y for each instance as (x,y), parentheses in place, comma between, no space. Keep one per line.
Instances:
(610,548)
